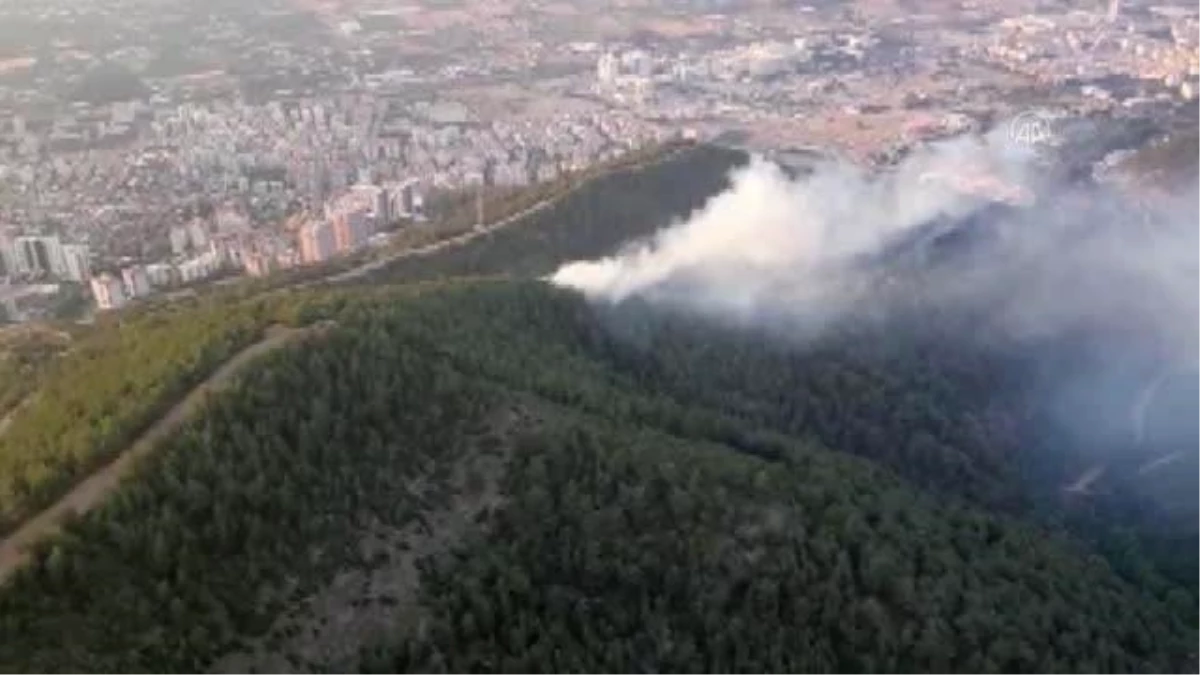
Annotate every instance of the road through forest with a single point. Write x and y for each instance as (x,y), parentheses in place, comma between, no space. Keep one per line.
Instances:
(91,491)
(468,236)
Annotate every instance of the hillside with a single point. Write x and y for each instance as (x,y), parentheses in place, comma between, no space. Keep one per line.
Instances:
(130,368)
(116,380)
(628,529)
(468,469)
(100,484)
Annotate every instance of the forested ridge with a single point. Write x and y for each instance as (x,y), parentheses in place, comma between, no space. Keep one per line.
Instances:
(638,530)
(605,213)
(501,475)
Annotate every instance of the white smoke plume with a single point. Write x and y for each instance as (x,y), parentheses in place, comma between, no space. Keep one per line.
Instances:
(772,246)
(769,234)
(799,254)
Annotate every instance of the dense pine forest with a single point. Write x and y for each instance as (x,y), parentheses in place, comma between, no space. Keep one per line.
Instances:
(467,469)
(633,529)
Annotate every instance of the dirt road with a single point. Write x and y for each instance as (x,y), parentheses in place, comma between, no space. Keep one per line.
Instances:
(466,237)
(90,492)
(442,244)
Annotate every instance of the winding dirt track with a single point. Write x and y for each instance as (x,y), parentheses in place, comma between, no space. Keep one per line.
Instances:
(89,492)
(440,245)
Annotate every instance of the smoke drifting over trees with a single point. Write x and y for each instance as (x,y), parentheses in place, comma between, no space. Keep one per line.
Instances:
(820,246)
(1091,291)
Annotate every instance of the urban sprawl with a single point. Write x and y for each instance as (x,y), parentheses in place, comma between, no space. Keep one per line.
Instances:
(146,145)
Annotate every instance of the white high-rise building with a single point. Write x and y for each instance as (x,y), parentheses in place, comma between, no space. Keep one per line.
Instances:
(402,199)
(637,62)
(27,258)
(137,284)
(58,262)
(9,263)
(381,209)
(77,262)
(198,232)
(179,240)
(607,68)
(40,255)
(161,274)
(199,267)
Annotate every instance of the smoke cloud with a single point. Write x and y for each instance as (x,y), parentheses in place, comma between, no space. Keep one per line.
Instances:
(815,249)
(767,233)
(797,255)
(773,244)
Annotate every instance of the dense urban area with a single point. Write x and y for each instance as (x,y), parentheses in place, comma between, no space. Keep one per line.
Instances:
(149,145)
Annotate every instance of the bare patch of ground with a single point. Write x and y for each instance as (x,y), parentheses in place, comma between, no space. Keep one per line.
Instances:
(361,607)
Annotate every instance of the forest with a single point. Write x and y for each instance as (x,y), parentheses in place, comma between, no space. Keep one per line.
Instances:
(99,394)
(591,212)
(656,555)
(637,529)
(608,211)
(472,470)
